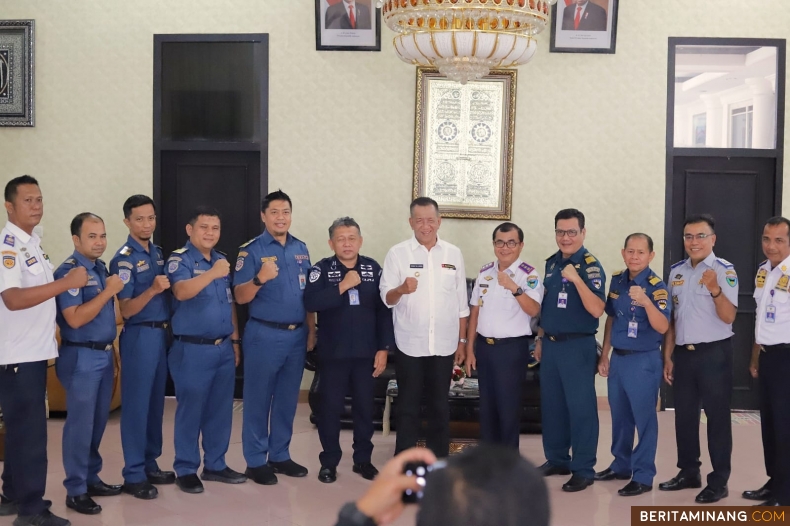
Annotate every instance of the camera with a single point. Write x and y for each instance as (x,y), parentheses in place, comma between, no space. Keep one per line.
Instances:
(419,470)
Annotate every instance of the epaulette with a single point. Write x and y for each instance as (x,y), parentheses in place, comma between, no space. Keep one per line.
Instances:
(180,250)
(617,273)
(654,280)
(678,263)
(9,240)
(126,251)
(724,263)
(589,258)
(526,268)
(248,242)
(366,258)
(70,261)
(763,263)
(486,267)
(221,253)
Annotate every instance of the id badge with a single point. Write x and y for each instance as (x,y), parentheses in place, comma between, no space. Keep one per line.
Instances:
(302,280)
(353,297)
(633,329)
(562,300)
(230,296)
(770,314)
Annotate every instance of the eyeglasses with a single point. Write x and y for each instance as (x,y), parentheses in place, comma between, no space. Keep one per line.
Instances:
(570,233)
(510,244)
(698,237)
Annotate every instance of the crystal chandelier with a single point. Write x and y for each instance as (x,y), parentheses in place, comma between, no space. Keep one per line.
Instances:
(465,39)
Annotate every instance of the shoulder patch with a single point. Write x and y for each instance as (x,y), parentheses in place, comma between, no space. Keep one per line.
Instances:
(660,294)
(180,250)
(125,264)
(654,280)
(678,263)
(526,268)
(9,240)
(617,273)
(126,251)
(315,273)
(724,263)
(486,266)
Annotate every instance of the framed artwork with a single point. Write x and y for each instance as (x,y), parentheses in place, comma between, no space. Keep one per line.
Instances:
(347,25)
(584,26)
(463,143)
(16,72)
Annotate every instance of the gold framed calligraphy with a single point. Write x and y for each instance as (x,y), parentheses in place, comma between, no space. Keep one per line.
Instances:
(16,72)
(463,143)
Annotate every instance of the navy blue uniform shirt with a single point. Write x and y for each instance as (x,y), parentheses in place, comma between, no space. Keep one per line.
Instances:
(100,329)
(623,309)
(210,313)
(137,269)
(346,330)
(574,318)
(278,300)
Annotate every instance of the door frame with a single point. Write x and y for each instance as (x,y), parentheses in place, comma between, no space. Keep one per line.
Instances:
(672,152)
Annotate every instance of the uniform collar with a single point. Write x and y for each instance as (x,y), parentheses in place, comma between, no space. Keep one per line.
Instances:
(640,278)
(513,267)
(577,257)
(414,244)
(196,254)
(708,261)
(85,262)
(20,234)
(268,239)
(132,242)
(785,263)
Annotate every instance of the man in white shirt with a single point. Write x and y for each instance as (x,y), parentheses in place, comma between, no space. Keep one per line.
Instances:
(27,341)
(424,282)
(771,358)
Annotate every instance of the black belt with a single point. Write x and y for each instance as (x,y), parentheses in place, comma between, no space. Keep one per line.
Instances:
(90,345)
(567,336)
(8,366)
(778,347)
(282,326)
(704,345)
(502,341)
(201,341)
(152,324)
(623,352)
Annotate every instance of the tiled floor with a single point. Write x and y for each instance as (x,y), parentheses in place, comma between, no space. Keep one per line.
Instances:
(307,502)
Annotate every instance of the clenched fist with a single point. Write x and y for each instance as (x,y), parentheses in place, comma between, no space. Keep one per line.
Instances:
(268,272)
(408,286)
(160,284)
(638,294)
(505,281)
(351,279)
(114,284)
(569,273)
(221,268)
(710,280)
(76,278)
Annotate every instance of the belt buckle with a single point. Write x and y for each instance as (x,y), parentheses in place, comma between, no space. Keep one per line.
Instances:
(553,338)
(490,341)
(217,341)
(165,325)
(691,347)
(108,347)
(292,327)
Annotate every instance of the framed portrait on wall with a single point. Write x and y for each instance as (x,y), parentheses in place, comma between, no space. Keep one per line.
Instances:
(16,73)
(463,143)
(584,26)
(347,25)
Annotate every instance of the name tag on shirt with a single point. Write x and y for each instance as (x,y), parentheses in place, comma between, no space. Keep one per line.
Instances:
(353,297)
(562,300)
(633,329)
(415,265)
(770,314)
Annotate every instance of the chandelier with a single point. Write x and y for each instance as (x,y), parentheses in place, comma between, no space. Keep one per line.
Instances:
(465,39)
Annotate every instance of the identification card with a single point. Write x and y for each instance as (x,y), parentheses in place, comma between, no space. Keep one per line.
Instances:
(353,297)
(230,296)
(562,300)
(633,329)
(770,314)
(302,280)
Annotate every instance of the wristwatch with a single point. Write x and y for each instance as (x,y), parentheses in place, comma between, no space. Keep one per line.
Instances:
(257,282)
(462,340)
(519,292)
(351,515)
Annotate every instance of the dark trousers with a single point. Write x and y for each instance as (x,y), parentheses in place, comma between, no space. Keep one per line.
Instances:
(501,369)
(423,378)
(775,417)
(337,378)
(25,417)
(568,405)
(703,380)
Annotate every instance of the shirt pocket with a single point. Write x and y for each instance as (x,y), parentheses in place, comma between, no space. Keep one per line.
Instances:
(780,296)
(448,278)
(31,275)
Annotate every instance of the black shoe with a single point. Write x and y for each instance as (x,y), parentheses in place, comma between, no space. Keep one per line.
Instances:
(161,477)
(327,475)
(548,469)
(366,469)
(577,483)
(261,475)
(289,468)
(634,488)
(141,490)
(762,494)
(608,474)
(710,495)
(769,502)
(83,504)
(681,482)
(104,490)
(45,518)
(7,507)
(227,475)
(189,483)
